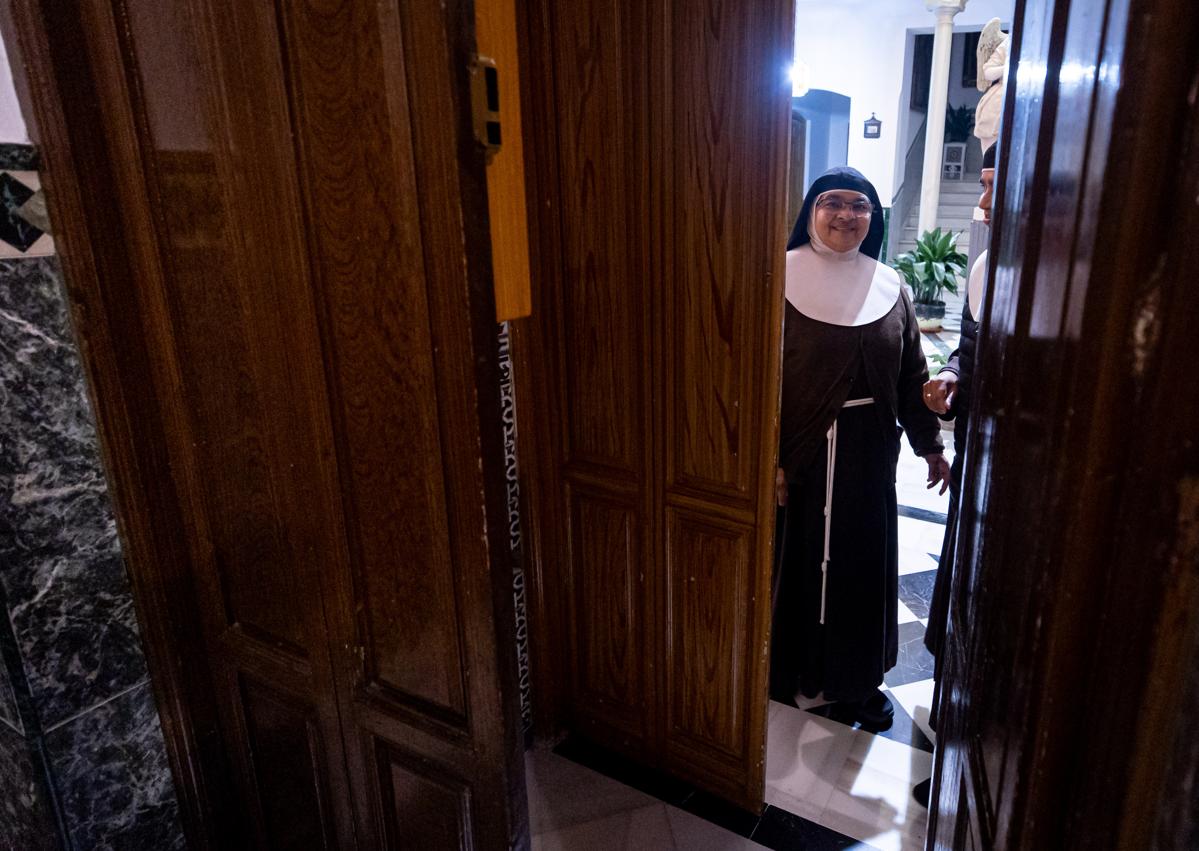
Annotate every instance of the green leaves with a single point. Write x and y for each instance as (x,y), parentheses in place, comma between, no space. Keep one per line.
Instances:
(933,267)
(959,121)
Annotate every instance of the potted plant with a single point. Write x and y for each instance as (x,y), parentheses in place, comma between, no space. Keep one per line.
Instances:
(959,121)
(930,269)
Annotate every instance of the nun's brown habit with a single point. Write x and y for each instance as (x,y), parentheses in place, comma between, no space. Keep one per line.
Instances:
(836,581)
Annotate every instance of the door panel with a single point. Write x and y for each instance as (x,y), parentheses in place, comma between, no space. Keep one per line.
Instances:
(722,149)
(720,131)
(294,225)
(422,807)
(708,683)
(598,50)
(232,325)
(384,383)
(662,187)
(287,754)
(603,362)
(609,613)
(605,546)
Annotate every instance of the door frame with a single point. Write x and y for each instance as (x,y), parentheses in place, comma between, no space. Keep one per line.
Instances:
(70,133)
(538,442)
(1089,269)
(77,175)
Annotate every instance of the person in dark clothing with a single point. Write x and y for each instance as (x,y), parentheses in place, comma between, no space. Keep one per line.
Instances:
(852,368)
(948,395)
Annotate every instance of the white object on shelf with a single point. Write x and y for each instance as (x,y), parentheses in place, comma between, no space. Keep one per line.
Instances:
(953,161)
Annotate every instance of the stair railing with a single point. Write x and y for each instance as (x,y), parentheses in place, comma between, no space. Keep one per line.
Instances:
(908,194)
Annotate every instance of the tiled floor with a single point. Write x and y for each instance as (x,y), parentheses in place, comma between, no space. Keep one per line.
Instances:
(829,783)
(840,776)
(574,807)
(823,768)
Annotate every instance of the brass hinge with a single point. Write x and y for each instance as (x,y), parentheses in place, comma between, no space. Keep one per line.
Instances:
(485,104)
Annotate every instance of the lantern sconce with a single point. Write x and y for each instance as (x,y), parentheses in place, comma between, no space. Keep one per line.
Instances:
(874,127)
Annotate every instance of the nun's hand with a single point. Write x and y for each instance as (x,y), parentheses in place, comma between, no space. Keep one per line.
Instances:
(939,392)
(938,471)
(780,487)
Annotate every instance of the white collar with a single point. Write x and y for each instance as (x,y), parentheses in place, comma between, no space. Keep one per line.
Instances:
(842,288)
(976,286)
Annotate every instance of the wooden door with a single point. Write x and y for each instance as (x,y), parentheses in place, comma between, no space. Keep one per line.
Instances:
(797,163)
(273,222)
(651,380)
(1075,604)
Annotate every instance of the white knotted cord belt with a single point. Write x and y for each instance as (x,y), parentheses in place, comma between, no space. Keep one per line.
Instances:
(828,499)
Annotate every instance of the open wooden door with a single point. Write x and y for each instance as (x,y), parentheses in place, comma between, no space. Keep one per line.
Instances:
(273,222)
(649,389)
(1075,599)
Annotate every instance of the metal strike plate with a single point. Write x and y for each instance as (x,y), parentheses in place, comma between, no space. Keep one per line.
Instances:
(485,104)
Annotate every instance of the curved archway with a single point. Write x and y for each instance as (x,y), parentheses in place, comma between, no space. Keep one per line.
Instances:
(827,142)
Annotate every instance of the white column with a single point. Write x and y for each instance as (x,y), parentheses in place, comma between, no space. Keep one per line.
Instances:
(938,97)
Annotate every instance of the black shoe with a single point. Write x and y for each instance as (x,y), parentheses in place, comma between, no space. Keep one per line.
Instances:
(921,791)
(876,713)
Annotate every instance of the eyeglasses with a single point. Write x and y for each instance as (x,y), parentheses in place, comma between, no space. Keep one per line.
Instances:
(859,209)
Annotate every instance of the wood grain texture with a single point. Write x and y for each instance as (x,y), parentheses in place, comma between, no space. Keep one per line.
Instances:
(610,612)
(1056,729)
(602,137)
(225,346)
(289,327)
(719,255)
(724,152)
(287,757)
(373,276)
(496,33)
(601,330)
(536,379)
(796,165)
(65,132)
(653,371)
(425,808)
(708,564)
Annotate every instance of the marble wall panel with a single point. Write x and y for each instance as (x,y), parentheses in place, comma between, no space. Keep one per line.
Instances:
(63,577)
(18,157)
(110,769)
(73,677)
(10,714)
(26,815)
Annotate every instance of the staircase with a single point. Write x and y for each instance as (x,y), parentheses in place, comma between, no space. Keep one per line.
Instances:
(955,210)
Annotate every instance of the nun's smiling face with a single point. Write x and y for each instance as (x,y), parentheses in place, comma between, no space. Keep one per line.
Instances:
(843,219)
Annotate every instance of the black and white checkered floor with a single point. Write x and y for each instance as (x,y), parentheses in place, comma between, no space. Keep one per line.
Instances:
(822,767)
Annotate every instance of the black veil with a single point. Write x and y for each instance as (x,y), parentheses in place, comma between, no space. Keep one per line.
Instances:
(841,177)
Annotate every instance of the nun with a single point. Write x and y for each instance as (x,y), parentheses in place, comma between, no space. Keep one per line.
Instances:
(853,374)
